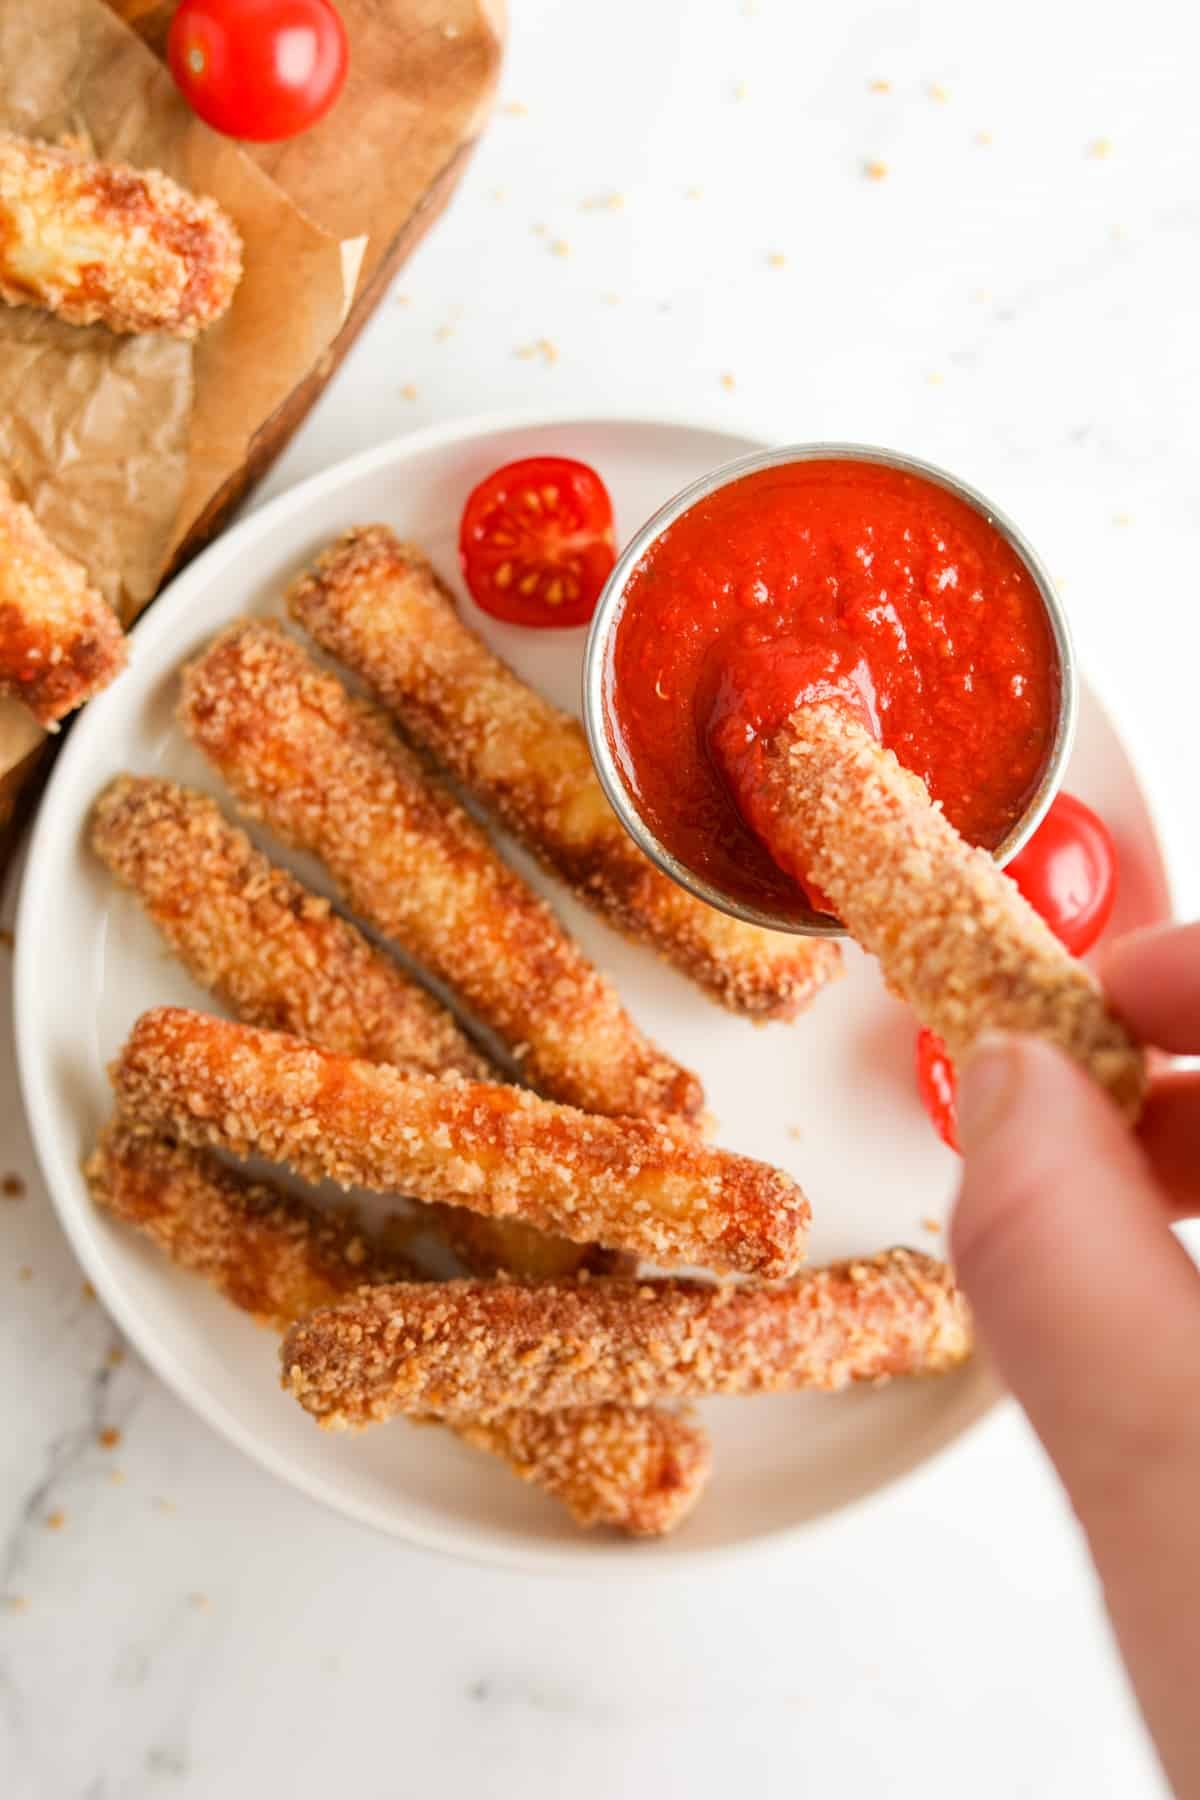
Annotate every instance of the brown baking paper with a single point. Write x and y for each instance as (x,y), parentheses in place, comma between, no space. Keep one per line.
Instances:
(418,89)
(118,442)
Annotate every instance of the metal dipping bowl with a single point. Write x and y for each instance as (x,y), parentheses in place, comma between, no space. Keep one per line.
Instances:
(598,674)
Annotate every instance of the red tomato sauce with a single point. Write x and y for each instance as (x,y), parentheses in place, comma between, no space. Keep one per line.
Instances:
(827,577)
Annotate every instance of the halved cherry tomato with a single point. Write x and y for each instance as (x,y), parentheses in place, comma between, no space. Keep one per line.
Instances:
(536,541)
(937,1084)
(1068,873)
(258,69)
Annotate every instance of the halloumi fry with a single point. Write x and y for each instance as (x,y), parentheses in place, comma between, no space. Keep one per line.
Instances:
(60,642)
(276,954)
(279,957)
(474,1348)
(378,606)
(328,773)
(624,1183)
(953,935)
(276,1257)
(101,243)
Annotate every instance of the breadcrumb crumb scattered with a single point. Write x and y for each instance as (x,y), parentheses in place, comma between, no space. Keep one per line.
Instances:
(25,1272)
(115,1357)
(935,378)
(442,333)
(875,170)
(611,299)
(1122,518)
(516,109)
(740,90)
(544,348)
(879,87)
(777,260)
(610,202)
(933,1225)
(728,382)
(1100,147)
(7,939)
(109,1438)
(937,92)
(12,1187)
(16,1603)
(55,1520)
(408,391)
(201,1602)
(560,247)
(86,1291)
(163,1506)
(693,193)
(983,139)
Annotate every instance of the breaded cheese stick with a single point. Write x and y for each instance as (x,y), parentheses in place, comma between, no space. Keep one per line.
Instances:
(278,956)
(60,642)
(378,606)
(100,242)
(328,773)
(624,1183)
(474,1348)
(276,1257)
(953,935)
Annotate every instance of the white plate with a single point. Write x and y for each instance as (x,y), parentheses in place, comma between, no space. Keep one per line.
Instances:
(830,1098)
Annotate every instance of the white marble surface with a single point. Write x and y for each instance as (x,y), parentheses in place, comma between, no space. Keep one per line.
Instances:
(1022,310)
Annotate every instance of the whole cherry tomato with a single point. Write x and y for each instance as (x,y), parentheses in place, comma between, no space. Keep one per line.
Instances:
(258,69)
(1068,873)
(937,1085)
(536,541)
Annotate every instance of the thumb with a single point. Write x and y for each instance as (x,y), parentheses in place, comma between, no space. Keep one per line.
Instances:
(1087,1302)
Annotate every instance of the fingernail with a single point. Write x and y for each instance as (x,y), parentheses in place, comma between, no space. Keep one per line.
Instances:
(987,1083)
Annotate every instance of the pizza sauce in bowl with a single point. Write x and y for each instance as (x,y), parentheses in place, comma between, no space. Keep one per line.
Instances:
(804,575)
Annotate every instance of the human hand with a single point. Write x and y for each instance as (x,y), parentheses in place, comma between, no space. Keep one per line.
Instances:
(1091,1307)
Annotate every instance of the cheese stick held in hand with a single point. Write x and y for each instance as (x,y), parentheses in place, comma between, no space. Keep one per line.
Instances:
(953,935)
(101,243)
(60,642)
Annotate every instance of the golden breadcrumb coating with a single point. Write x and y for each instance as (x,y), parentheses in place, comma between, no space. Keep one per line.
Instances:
(278,956)
(475,1348)
(274,953)
(637,1470)
(954,936)
(270,1253)
(378,606)
(60,641)
(625,1183)
(329,774)
(103,243)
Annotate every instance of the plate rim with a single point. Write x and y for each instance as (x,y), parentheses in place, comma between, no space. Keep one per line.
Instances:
(590,1555)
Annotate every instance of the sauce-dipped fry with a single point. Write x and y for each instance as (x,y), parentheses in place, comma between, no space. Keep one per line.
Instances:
(328,773)
(378,606)
(474,1348)
(953,935)
(277,1257)
(625,1183)
(101,243)
(60,642)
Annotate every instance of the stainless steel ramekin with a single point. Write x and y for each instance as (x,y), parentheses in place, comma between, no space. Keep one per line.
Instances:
(597,668)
